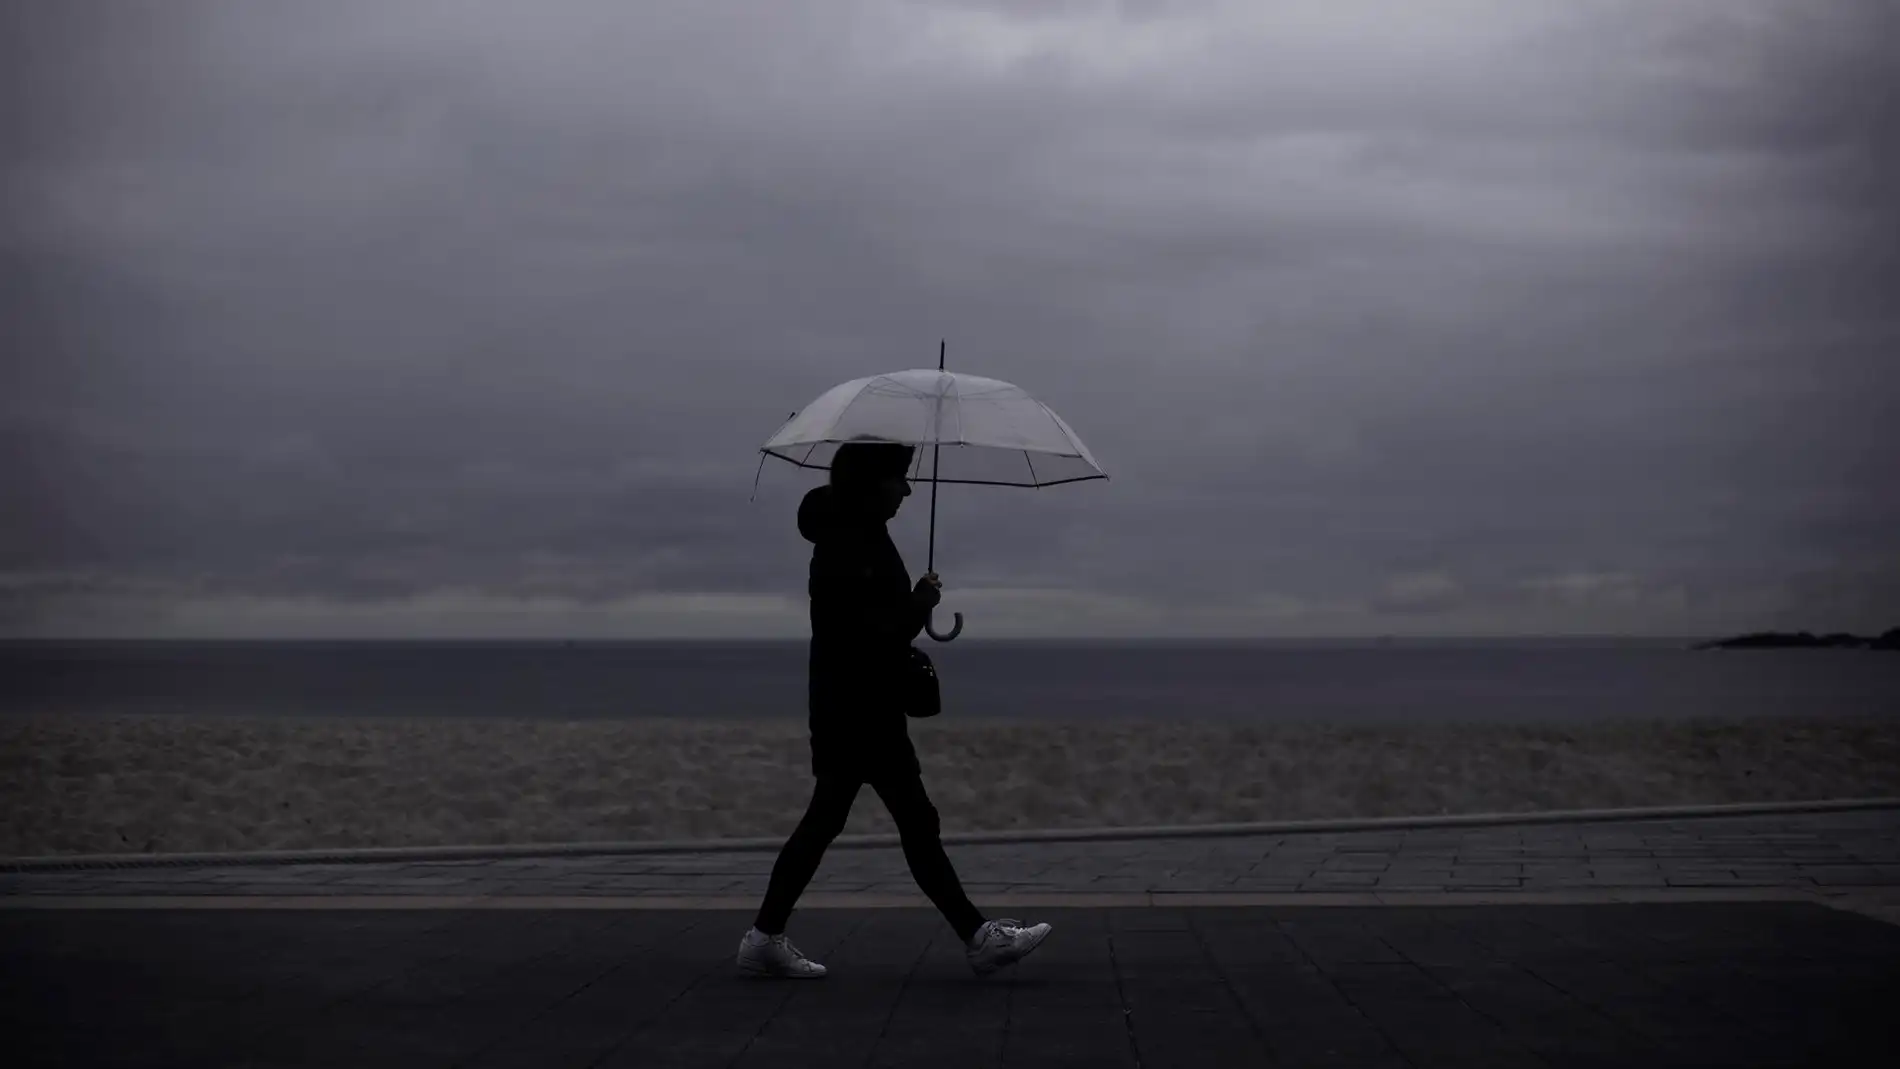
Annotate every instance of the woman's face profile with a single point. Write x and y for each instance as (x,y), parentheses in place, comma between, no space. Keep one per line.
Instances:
(891,493)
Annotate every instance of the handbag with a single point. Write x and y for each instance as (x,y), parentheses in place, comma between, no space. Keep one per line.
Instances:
(921,696)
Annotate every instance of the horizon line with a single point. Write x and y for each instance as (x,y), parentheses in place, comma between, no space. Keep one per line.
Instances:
(783,639)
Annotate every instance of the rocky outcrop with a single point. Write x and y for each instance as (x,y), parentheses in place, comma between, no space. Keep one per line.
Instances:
(1804,640)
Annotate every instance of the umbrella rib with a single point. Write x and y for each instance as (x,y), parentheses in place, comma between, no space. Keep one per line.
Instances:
(956,387)
(1055,422)
(1033,479)
(1068,435)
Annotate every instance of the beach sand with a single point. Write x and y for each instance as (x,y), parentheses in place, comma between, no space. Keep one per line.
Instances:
(173,784)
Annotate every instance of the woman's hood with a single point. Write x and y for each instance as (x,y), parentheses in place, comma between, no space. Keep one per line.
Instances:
(822,513)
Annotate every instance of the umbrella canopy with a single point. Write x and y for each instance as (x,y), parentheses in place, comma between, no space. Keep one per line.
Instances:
(991,433)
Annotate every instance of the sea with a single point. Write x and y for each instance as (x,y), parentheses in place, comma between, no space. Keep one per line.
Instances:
(1371,681)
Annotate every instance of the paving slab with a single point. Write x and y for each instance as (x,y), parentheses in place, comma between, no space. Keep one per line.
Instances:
(1639,984)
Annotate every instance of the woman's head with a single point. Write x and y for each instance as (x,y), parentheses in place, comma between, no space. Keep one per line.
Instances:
(874,472)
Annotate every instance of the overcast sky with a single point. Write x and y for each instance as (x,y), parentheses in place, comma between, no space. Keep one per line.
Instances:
(407,318)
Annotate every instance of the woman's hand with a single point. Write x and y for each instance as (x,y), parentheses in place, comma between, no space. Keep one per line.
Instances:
(929,590)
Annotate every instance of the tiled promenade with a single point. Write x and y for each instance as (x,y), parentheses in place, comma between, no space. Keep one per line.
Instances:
(1689,942)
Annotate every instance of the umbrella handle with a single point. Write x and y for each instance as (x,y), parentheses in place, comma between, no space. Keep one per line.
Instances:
(956,628)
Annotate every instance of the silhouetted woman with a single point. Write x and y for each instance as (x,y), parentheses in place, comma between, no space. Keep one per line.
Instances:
(864,615)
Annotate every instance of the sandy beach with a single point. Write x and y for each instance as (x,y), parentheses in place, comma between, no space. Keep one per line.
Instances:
(174,784)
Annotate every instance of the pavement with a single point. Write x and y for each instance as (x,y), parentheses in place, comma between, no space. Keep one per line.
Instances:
(1733,941)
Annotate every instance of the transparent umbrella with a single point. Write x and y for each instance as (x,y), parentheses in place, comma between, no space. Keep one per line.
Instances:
(982,432)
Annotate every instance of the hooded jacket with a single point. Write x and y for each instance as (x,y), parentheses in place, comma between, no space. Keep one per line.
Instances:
(863,620)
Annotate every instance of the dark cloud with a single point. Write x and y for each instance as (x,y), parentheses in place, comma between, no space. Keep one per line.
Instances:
(1490,316)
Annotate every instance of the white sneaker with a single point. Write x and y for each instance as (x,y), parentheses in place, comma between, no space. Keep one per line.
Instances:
(774,955)
(1003,942)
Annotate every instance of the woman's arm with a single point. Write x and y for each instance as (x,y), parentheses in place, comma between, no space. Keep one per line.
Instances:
(864,602)
(923,598)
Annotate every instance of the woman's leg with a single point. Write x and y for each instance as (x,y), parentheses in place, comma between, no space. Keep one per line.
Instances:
(921,832)
(798,860)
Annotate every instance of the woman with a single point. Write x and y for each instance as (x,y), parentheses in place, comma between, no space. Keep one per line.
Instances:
(864,616)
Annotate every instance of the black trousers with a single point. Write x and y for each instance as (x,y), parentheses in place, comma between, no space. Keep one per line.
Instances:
(917,826)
